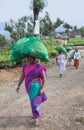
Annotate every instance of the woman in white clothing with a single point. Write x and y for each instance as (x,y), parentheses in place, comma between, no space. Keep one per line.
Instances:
(61,62)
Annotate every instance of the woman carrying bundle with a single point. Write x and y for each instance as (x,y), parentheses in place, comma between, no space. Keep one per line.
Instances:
(34,75)
(61,62)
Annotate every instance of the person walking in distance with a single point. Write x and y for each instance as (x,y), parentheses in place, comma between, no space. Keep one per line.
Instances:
(61,62)
(77,57)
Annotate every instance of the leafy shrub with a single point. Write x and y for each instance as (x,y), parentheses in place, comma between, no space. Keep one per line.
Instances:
(76,41)
(50,44)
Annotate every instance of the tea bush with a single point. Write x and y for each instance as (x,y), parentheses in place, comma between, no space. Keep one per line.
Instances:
(50,44)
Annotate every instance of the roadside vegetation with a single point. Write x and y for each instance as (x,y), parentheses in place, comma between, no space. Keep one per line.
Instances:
(5,52)
(76,41)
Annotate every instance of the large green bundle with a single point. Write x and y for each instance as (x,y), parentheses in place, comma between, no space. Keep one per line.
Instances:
(60,48)
(26,46)
(68,48)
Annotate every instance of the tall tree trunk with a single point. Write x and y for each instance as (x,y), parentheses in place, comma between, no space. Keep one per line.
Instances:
(36,20)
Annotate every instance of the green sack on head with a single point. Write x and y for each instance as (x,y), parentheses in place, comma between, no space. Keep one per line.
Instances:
(32,46)
(60,48)
(69,48)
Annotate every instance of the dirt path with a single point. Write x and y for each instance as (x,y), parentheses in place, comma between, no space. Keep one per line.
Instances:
(60,112)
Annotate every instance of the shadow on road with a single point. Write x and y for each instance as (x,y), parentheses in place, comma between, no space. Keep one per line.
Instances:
(16,121)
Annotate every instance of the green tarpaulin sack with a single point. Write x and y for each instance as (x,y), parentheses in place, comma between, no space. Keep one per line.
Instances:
(69,48)
(32,46)
(61,48)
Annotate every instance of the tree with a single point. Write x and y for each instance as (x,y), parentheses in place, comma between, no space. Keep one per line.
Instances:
(82,31)
(74,31)
(67,28)
(75,28)
(46,25)
(16,29)
(58,23)
(3,40)
(37,6)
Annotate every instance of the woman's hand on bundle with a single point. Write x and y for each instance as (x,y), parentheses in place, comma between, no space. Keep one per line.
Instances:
(41,91)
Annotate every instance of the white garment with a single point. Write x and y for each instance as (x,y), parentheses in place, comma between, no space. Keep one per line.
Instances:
(68,55)
(61,68)
(69,58)
(61,63)
(61,59)
(77,55)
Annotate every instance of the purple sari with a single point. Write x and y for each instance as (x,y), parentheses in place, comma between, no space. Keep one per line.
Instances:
(33,87)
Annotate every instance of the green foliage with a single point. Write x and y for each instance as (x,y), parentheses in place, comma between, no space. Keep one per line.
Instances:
(82,30)
(38,5)
(58,22)
(67,26)
(46,25)
(3,40)
(5,55)
(16,28)
(5,58)
(49,43)
(76,41)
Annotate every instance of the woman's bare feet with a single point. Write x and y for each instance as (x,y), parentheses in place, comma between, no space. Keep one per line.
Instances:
(36,122)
